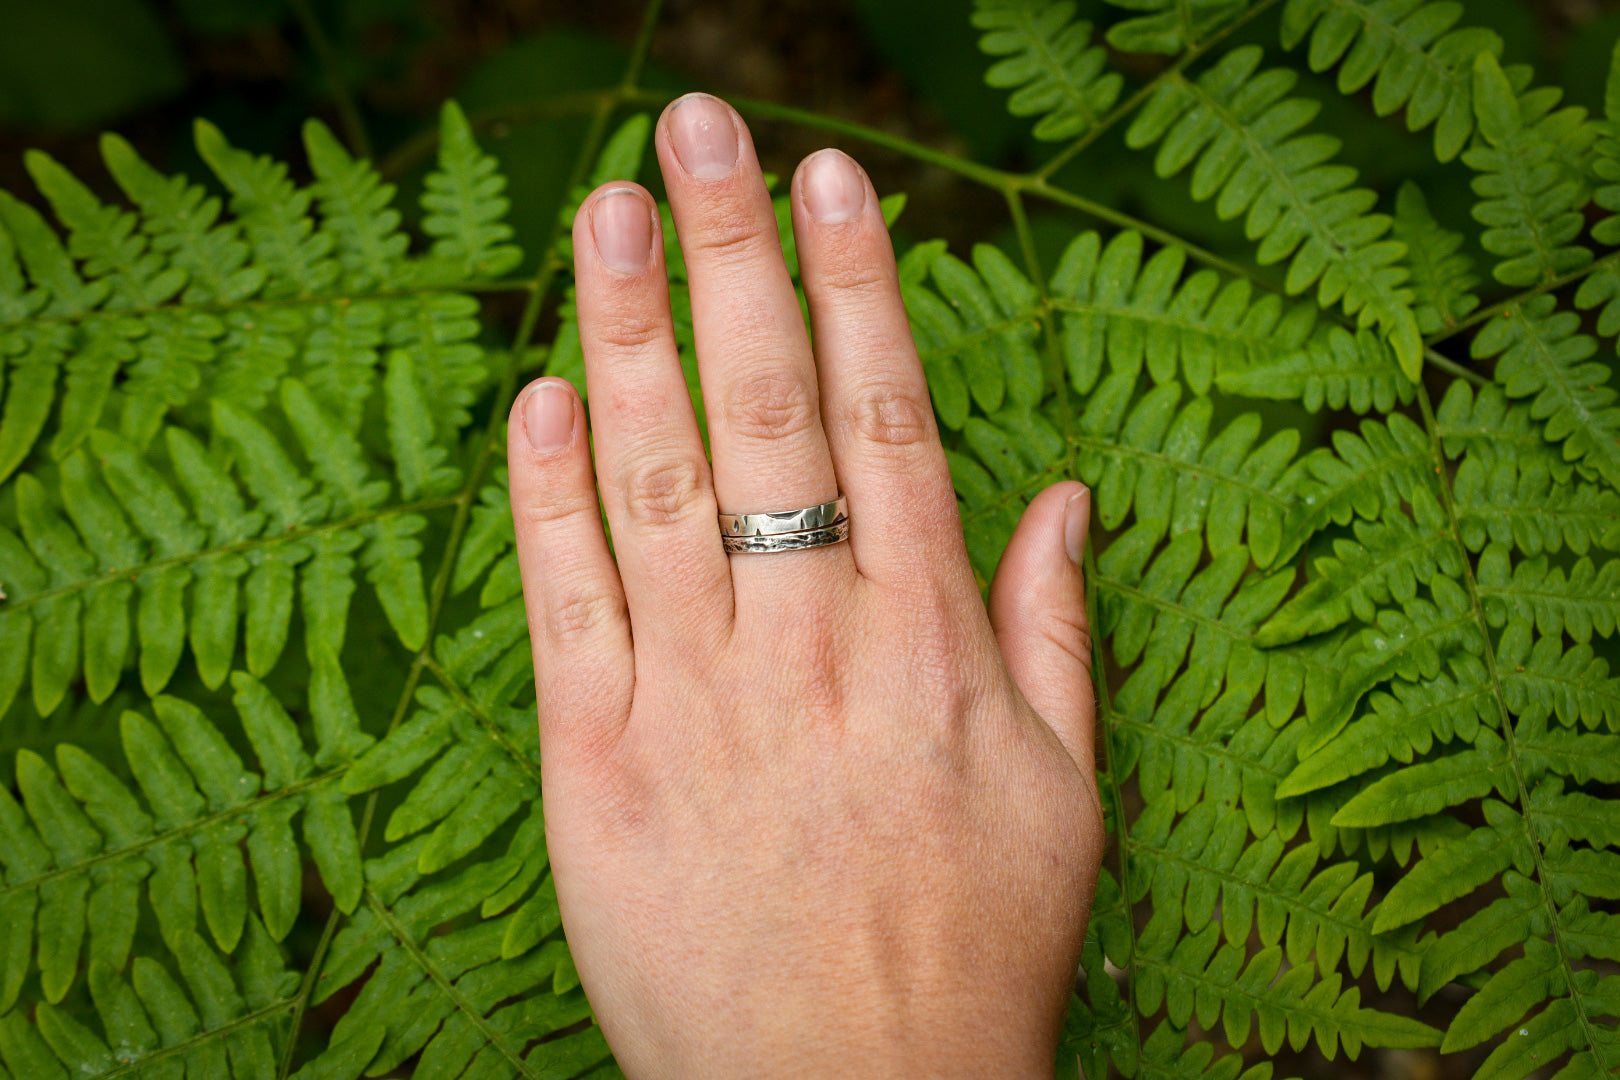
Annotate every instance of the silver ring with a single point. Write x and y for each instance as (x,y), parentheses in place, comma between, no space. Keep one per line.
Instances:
(777,522)
(793,541)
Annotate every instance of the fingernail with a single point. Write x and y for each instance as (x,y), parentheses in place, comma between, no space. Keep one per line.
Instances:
(705,138)
(1076,523)
(833,188)
(548,416)
(622,225)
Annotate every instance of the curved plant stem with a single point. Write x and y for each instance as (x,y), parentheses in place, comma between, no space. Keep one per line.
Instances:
(354,128)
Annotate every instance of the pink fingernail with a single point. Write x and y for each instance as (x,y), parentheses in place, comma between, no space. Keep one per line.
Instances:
(1076,523)
(548,416)
(833,188)
(704,136)
(622,225)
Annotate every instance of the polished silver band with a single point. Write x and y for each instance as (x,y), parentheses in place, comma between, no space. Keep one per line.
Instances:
(789,541)
(777,522)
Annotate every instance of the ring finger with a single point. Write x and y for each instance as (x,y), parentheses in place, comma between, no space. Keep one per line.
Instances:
(754,360)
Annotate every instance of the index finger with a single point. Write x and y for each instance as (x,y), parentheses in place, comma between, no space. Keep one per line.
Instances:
(904,524)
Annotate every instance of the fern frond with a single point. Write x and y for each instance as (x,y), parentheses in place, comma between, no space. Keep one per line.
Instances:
(497,988)
(1409,641)
(1156,459)
(1174,25)
(105,239)
(210,544)
(977,329)
(1379,465)
(1530,199)
(1184,762)
(1403,720)
(1197,976)
(1516,501)
(1542,355)
(81,849)
(1163,609)
(183,221)
(274,215)
(1442,276)
(1204,868)
(1241,133)
(464,208)
(1336,368)
(1580,602)
(357,211)
(1050,64)
(1385,562)
(1488,426)
(1167,1055)
(1119,313)
(1409,52)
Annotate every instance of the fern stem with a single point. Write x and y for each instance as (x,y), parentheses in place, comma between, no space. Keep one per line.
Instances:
(1052,360)
(354,128)
(1091,208)
(1106,775)
(1527,813)
(524,761)
(1131,104)
(1451,367)
(642,47)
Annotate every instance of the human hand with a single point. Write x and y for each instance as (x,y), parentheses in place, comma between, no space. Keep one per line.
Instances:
(812,813)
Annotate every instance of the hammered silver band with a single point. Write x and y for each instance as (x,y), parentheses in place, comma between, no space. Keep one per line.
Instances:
(787,530)
(793,541)
(775,522)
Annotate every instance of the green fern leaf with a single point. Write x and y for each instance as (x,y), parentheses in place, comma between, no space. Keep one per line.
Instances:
(1529,201)
(1409,52)
(1049,62)
(1542,355)
(274,215)
(357,208)
(82,849)
(1173,26)
(1240,132)
(1195,976)
(463,207)
(1442,276)
(1116,308)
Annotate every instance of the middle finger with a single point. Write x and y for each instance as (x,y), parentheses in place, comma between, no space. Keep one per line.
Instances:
(754,360)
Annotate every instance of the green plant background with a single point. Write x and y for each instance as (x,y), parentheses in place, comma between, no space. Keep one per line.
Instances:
(1319,296)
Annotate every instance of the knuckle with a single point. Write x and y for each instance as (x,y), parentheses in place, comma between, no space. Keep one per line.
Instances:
(855,273)
(885,413)
(1067,631)
(665,492)
(578,615)
(734,235)
(550,508)
(629,330)
(771,405)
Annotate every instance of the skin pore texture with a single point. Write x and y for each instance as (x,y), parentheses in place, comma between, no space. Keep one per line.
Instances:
(816,813)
